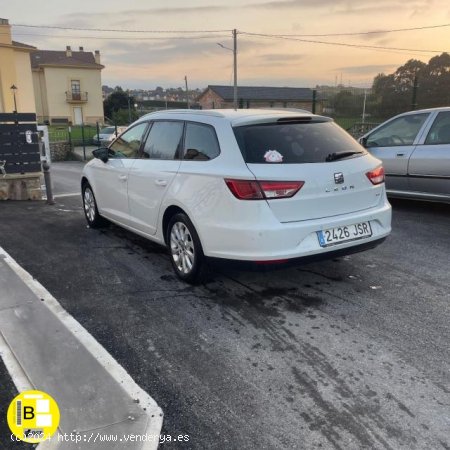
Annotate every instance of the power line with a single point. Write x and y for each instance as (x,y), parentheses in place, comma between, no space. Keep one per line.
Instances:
(168,38)
(54,27)
(143,38)
(214,34)
(342,44)
(395,30)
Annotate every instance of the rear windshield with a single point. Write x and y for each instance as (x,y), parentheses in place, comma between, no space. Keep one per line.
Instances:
(293,143)
(107,130)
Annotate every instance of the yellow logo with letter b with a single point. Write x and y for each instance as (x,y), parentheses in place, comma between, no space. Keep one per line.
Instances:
(33,416)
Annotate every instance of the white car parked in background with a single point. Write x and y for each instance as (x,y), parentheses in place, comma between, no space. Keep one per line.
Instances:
(107,135)
(263,186)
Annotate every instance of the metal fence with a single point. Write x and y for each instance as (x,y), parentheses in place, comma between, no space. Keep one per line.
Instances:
(77,136)
(354,109)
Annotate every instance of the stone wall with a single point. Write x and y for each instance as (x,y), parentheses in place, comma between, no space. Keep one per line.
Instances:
(60,151)
(21,187)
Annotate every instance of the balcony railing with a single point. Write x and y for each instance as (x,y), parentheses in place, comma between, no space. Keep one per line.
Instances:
(76,97)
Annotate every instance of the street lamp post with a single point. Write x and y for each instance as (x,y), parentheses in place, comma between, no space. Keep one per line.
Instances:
(129,107)
(187,92)
(234,50)
(364,106)
(14,89)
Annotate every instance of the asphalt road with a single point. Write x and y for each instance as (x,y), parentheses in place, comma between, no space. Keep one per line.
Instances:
(352,353)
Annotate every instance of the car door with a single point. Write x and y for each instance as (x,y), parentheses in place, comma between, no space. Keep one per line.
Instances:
(429,165)
(393,143)
(152,174)
(111,178)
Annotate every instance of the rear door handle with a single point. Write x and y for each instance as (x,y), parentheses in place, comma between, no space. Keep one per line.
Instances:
(123,177)
(400,154)
(161,182)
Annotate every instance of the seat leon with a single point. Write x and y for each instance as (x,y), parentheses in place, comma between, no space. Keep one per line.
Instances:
(256,186)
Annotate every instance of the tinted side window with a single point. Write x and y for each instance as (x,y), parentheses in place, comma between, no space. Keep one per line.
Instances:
(128,144)
(200,142)
(293,143)
(163,141)
(400,131)
(440,131)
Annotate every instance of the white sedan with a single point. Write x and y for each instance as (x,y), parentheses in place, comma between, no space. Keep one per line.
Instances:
(107,135)
(261,186)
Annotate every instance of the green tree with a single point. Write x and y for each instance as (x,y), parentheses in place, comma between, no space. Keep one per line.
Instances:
(347,104)
(118,100)
(121,116)
(394,92)
(434,87)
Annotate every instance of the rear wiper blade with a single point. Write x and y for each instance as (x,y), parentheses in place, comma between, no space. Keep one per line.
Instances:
(339,155)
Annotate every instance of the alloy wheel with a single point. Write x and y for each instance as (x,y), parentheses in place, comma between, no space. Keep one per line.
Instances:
(182,248)
(89,204)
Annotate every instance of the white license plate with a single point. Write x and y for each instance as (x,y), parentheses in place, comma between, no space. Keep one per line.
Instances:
(345,233)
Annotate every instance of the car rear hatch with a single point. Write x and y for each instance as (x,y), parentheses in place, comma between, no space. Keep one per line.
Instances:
(314,150)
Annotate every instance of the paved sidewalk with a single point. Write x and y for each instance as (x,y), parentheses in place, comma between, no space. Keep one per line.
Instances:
(8,392)
(57,356)
(80,153)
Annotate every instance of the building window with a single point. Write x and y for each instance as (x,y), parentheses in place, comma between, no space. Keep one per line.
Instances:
(75,87)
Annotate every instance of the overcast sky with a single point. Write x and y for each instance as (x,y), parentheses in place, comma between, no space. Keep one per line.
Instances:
(147,63)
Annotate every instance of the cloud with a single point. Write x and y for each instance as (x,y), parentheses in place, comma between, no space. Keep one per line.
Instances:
(160,51)
(179,10)
(80,19)
(368,69)
(280,58)
(296,4)
(155,52)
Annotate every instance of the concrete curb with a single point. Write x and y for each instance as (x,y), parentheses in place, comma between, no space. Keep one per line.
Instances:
(121,380)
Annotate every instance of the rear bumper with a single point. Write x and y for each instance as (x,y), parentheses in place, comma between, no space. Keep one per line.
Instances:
(254,265)
(279,241)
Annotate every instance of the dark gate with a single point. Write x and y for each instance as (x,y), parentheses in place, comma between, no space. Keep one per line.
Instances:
(19,147)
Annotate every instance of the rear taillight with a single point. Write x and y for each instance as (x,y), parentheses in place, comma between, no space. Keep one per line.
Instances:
(280,189)
(376,176)
(260,190)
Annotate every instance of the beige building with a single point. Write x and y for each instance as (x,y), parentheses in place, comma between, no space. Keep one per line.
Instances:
(259,97)
(15,70)
(67,86)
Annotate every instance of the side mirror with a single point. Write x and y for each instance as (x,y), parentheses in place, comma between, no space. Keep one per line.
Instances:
(102,154)
(363,141)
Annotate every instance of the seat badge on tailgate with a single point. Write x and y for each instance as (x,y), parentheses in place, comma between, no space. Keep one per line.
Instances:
(339,178)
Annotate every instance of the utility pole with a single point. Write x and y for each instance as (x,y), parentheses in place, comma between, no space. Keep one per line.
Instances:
(414,96)
(234,50)
(364,106)
(235,96)
(187,91)
(129,107)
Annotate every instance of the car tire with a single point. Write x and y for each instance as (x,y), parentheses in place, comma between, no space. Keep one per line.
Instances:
(93,218)
(185,249)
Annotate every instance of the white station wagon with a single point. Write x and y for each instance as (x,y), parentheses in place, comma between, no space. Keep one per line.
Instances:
(260,186)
